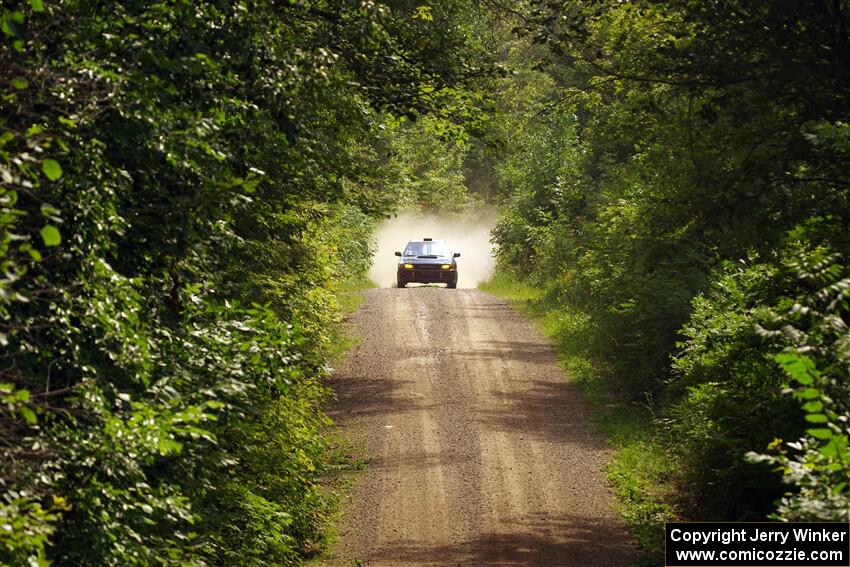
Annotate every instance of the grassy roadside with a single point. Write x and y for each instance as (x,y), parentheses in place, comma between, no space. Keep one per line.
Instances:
(640,469)
(349,296)
(343,461)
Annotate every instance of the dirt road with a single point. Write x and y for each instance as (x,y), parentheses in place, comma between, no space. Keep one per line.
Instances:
(480,450)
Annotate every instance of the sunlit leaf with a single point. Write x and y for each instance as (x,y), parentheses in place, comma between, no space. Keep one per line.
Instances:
(28,415)
(51,169)
(820,433)
(12,24)
(50,235)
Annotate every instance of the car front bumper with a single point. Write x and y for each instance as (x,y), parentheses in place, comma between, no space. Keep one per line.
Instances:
(426,275)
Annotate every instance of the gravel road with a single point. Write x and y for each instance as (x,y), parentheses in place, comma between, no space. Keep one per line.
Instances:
(480,450)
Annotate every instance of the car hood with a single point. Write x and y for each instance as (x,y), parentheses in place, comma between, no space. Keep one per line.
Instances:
(416,260)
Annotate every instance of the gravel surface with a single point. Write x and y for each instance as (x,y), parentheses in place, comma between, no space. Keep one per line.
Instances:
(480,450)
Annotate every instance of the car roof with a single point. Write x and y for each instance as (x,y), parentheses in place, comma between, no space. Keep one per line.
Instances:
(426,240)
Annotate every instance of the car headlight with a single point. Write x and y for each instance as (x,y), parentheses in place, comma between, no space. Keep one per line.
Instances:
(446,266)
(409,266)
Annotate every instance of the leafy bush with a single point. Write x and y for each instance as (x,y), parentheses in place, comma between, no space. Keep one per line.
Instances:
(726,395)
(183,186)
(816,360)
(653,146)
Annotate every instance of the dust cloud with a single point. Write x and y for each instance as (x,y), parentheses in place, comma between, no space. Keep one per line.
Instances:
(469,236)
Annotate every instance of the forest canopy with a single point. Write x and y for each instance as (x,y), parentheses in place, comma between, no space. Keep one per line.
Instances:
(186,187)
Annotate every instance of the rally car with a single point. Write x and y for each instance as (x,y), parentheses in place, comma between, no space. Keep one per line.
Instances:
(427,261)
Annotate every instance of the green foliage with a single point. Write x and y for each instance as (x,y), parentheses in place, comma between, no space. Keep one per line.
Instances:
(814,328)
(426,163)
(27,528)
(727,395)
(184,186)
(656,157)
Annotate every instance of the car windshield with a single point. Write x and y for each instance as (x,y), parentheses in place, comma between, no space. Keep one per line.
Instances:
(427,250)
